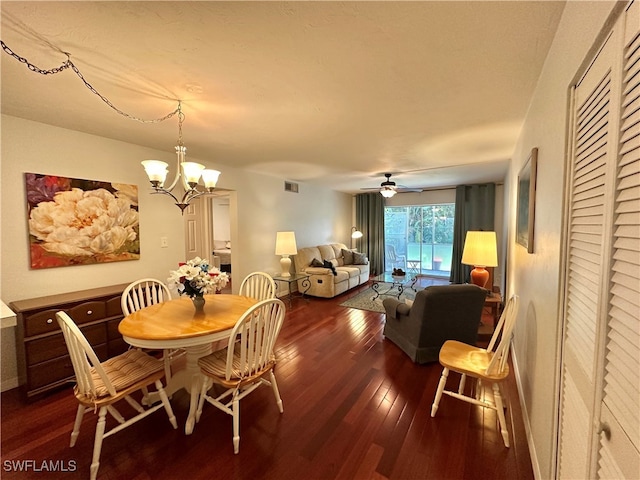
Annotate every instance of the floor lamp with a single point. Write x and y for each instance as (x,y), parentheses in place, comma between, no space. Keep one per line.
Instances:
(355,234)
(480,250)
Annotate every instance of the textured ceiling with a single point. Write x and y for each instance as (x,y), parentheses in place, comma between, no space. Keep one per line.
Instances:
(333,93)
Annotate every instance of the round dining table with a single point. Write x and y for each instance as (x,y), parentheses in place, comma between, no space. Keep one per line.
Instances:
(175,324)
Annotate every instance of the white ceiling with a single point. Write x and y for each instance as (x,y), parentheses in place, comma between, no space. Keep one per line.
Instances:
(334,93)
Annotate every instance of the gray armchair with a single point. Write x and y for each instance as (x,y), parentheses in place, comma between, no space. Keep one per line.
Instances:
(439,313)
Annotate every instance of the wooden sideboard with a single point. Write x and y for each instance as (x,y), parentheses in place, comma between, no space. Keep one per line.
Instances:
(43,359)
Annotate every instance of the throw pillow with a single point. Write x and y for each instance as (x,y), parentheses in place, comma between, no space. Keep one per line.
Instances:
(359,258)
(348,256)
(316,263)
(328,264)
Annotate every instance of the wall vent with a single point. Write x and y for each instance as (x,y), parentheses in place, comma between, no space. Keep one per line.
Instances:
(290,187)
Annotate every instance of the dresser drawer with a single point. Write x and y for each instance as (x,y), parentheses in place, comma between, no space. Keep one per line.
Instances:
(117,346)
(112,329)
(114,307)
(57,369)
(42,322)
(53,346)
(88,312)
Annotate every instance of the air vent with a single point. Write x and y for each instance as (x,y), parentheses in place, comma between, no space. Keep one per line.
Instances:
(290,187)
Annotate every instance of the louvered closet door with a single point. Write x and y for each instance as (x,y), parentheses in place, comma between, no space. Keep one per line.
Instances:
(600,386)
(593,149)
(619,455)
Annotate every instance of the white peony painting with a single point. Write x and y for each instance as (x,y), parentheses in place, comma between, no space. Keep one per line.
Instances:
(81,222)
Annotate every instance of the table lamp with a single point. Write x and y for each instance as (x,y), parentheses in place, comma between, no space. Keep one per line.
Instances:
(285,246)
(480,250)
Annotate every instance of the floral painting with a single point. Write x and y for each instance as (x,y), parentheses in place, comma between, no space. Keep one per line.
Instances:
(81,222)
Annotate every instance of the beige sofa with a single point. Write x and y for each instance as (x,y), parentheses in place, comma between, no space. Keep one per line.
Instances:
(323,282)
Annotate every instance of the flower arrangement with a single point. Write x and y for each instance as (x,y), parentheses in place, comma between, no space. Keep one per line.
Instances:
(195,278)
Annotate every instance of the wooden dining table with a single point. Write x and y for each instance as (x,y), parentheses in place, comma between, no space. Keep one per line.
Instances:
(175,324)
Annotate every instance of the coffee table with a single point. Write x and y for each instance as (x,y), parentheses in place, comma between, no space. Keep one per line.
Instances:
(399,282)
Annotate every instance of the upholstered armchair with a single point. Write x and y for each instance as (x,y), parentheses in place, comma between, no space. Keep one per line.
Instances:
(438,313)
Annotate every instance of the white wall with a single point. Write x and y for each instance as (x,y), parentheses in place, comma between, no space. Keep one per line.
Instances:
(536,277)
(262,208)
(221,220)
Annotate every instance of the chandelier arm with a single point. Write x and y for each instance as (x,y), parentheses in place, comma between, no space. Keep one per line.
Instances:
(160,190)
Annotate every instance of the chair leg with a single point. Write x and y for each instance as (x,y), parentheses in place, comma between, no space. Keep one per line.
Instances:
(97,443)
(166,404)
(76,425)
(236,422)
(441,384)
(503,424)
(276,392)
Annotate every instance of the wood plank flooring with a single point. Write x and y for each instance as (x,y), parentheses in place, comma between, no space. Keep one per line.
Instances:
(355,407)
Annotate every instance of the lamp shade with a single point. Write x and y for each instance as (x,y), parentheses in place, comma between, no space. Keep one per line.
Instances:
(480,249)
(192,171)
(355,233)
(286,243)
(156,170)
(210,178)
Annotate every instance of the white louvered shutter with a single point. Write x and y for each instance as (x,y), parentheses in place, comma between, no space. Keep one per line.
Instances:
(600,386)
(619,457)
(592,150)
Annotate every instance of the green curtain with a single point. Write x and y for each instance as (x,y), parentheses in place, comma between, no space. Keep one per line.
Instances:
(370,221)
(475,210)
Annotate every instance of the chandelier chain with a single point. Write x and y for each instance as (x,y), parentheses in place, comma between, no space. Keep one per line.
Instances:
(69,64)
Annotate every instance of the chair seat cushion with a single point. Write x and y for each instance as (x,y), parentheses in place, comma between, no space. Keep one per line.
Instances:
(215,364)
(125,370)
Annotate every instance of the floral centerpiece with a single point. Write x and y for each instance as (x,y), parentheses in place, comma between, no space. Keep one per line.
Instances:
(195,278)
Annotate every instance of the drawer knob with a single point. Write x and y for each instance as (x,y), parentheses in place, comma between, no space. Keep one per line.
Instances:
(89,312)
(49,320)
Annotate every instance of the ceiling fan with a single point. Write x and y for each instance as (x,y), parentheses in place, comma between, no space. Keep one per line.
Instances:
(388,188)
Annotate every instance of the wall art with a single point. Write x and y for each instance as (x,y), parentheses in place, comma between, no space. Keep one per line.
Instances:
(525,215)
(79,222)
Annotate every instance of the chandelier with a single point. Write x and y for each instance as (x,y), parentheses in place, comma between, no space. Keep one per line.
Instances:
(188,172)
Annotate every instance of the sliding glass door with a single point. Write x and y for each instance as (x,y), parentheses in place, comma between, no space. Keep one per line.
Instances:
(419,239)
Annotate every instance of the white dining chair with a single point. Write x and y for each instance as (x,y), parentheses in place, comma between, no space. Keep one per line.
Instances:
(245,363)
(258,285)
(142,293)
(100,385)
(486,365)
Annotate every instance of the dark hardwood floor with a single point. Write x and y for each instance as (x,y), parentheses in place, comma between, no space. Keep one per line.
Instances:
(355,407)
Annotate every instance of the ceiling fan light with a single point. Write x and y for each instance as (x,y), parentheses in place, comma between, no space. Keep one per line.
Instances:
(387,192)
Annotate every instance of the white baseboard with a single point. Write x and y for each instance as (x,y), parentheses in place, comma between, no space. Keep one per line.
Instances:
(525,417)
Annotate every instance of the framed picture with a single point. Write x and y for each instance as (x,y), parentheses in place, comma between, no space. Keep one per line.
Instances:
(525,214)
(79,222)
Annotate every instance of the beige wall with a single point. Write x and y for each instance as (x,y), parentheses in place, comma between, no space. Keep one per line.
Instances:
(261,208)
(536,277)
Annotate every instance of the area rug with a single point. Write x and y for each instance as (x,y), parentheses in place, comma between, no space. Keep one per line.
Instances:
(365,299)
